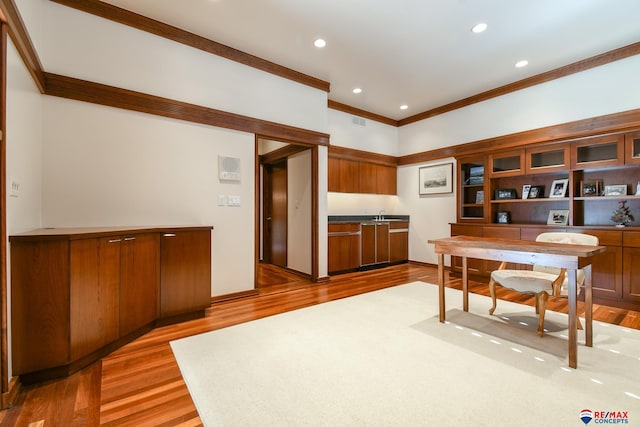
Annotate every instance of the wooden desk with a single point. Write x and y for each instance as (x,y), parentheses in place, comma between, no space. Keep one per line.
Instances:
(571,257)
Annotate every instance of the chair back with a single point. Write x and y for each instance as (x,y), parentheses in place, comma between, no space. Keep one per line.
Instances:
(564,237)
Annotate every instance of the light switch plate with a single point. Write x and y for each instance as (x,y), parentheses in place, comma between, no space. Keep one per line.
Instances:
(14,187)
(222,200)
(233,201)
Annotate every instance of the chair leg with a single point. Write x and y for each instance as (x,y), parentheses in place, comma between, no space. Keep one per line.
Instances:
(541,302)
(492,291)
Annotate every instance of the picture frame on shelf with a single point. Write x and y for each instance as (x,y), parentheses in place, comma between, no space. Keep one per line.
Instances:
(503,217)
(615,190)
(436,179)
(476,175)
(559,187)
(479,197)
(536,192)
(525,190)
(590,188)
(505,193)
(558,217)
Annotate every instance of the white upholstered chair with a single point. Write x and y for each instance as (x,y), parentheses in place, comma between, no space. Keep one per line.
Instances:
(541,281)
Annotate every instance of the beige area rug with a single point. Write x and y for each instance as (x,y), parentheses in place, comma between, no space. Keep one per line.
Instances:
(383,359)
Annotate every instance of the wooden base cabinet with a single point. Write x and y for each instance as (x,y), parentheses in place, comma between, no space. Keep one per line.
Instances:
(77,294)
(374,240)
(185,280)
(615,272)
(344,247)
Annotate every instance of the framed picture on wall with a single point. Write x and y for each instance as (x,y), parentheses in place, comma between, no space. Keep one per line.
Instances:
(436,179)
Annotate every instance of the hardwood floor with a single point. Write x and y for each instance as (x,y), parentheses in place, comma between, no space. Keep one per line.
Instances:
(140,384)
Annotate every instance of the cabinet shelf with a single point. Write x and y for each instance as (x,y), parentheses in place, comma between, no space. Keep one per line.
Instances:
(537,200)
(602,198)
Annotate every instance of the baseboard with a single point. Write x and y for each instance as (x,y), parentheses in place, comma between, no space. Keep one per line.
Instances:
(9,398)
(235,295)
(427,264)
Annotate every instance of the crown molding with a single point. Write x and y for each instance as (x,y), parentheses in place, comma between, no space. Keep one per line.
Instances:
(576,67)
(96,93)
(334,105)
(140,22)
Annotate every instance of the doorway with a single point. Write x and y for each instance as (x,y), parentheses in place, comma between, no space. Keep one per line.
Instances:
(286,214)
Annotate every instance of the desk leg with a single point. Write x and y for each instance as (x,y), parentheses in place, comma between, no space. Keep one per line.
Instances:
(588,307)
(573,323)
(441,285)
(465,285)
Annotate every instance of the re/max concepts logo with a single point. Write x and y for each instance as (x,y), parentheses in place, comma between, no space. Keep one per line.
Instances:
(604,417)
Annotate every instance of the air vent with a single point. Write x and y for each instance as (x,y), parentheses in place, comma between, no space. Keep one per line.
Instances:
(358,121)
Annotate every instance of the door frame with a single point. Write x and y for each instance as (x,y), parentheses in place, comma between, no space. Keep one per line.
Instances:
(294,147)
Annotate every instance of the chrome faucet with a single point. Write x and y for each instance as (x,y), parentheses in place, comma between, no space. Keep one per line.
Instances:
(380,216)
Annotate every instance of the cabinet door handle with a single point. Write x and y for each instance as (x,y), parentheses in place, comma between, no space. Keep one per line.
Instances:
(114,240)
(126,239)
(168,235)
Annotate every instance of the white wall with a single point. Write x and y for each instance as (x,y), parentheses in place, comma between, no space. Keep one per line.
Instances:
(374,136)
(24,157)
(299,212)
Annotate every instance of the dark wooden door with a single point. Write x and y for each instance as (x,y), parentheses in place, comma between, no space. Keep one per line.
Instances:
(140,275)
(275,213)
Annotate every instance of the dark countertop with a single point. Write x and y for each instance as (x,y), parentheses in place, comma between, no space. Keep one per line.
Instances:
(334,219)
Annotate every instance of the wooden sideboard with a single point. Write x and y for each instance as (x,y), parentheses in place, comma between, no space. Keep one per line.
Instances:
(80,293)
(615,282)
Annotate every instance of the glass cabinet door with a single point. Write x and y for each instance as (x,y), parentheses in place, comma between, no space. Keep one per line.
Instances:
(471,196)
(632,147)
(598,151)
(509,163)
(547,158)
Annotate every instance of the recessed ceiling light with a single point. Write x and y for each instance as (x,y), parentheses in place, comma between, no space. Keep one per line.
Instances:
(478,28)
(404,106)
(357,90)
(522,63)
(319,43)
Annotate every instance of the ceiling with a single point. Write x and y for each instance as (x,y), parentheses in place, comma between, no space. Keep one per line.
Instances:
(421,53)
